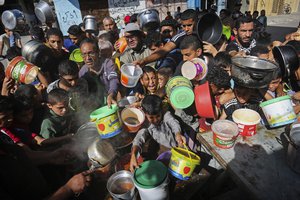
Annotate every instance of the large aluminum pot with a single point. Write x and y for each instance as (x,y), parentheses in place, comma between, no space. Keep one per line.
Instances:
(293,151)
(149,19)
(13,19)
(209,27)
(90,23)
(121,186)
(287,58)
(37,53)
(44,12)
(253,72)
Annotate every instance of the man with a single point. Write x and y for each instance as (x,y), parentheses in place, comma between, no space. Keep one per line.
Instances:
(243,42)
(136,48)
(98,71)
(54,40)
(188,22)
(76,35)
(168,29)
(9,39)
(263,19)
(110,25)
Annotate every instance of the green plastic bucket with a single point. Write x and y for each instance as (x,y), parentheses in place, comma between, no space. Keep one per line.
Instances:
(107,121)
(180,92)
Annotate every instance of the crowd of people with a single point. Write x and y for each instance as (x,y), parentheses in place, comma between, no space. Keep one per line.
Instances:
(37,120)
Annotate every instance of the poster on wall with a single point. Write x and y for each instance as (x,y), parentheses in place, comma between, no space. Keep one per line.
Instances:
(68,13)
(118,9)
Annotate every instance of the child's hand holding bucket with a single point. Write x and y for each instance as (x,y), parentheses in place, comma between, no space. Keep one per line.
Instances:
(180,139)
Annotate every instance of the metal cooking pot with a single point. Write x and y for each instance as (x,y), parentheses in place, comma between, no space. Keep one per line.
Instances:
(293,151)
(209,28)
(287,58)
(37,53)
(13,19)
(90,23)
(253,72)
(44,12)
(100,153)
(121,186)
(149,19)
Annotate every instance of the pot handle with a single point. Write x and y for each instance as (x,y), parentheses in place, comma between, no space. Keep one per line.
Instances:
(290,141)
(256,76)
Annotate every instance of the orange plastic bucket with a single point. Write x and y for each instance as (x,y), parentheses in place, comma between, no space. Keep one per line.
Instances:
(22,71)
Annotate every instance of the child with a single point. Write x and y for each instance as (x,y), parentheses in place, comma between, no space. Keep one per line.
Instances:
(274,86)
(68,78)
(242,99)
(163,75)
(58,122)
(191,47)
(163,128)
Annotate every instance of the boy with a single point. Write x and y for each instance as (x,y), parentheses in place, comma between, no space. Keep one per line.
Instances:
(68,77)
(58,122)
(163,75)
(242,99)
(163,128)
(191,47)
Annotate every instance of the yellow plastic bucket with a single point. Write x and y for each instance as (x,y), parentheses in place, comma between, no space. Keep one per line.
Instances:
(183,163)
(107,121)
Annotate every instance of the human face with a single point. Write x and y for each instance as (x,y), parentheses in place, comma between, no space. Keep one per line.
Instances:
(6,119)
(243,95)
(167,32)
(59,108)
(189,53)
(188,26)
(132,40)
(109,24)
(162,80)
(154,119)
(244,33)
(55,42)
(69,80)
(149,81)
(74,39)
(274,84)
(89,54)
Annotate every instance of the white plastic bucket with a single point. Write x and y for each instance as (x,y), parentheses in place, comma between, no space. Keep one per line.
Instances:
(130,75)
(279,111)
(151,180)
(160,192)
(246,120)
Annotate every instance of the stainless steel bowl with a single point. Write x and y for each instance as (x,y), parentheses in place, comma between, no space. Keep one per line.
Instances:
(120,185)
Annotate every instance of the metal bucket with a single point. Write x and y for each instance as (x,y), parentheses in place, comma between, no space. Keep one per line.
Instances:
(90,23)
(44,12)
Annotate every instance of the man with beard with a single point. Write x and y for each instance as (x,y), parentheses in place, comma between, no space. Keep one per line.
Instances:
(136,48)
(243,42)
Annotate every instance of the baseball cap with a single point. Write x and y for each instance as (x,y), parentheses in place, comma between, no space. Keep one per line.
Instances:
(132,27)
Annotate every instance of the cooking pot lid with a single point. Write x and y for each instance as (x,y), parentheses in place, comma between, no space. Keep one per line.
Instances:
(253,62)
(10,18)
